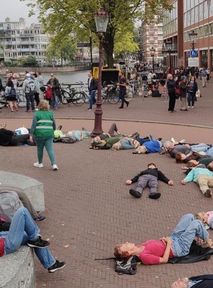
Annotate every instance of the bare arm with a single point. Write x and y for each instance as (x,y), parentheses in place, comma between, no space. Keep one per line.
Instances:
(165,257)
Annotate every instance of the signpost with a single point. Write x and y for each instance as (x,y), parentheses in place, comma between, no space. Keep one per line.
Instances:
(193,62)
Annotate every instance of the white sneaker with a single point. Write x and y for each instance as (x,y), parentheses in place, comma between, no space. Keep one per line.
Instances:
(55,167)
(38,165)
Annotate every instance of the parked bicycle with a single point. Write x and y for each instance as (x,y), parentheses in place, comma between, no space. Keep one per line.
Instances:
(110,93)
(70,94)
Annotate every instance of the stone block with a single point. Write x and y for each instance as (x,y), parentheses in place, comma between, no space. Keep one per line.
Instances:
(31,187)
(17,269)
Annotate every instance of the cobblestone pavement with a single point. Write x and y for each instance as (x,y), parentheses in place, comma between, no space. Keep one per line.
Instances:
(88,207)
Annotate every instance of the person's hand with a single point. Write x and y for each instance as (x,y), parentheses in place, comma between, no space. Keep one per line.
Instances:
(183,182)
(170,183)
(166,240)
(128,182)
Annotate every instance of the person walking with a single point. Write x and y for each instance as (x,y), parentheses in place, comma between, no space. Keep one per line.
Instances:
(42,130)
(171,84)
(29,90)
(183,92)
(203,74)
(11,96)
(122,92)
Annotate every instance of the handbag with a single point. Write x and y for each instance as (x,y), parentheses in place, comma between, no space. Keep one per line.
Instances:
(177,92)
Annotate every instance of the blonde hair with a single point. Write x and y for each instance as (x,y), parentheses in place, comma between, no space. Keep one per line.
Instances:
(44,105)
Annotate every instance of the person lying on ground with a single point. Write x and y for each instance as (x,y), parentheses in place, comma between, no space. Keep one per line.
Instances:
(141,139)
(201,281)
(10,138)
(148,178)
(176,245)
(186,149)
(107,143)
(125,143)
(24,231)
(75,135)
(203,177)
(151,146)
(204,161)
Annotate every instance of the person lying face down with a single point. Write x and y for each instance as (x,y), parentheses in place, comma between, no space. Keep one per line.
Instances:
(201,281)
(153,252)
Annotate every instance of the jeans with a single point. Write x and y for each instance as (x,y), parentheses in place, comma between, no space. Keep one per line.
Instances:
(48,144)
(184,234)
(22,229)
(92,100)
(202,147)
(191,99)
(30,101)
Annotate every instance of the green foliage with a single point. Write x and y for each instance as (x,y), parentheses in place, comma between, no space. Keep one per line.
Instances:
(61,48)
(29,61)
(63,17)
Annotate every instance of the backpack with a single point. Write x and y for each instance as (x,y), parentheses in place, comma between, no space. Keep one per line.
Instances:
(4,223)
(30,87)
(9,203)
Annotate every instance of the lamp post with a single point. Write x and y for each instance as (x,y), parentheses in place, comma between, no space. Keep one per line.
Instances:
(101,22)
(152,52)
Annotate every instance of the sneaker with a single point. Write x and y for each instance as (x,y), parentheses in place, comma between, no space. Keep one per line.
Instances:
(40,218)
(208,193)
(135,193)
(38,165)
(58,265)
(55,167)
(38,243)
(154,195)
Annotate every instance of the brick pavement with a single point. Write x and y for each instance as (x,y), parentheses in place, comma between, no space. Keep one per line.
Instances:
(89,209)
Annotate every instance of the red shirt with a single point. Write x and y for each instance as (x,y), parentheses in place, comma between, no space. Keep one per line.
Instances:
(153,250)
(1,247)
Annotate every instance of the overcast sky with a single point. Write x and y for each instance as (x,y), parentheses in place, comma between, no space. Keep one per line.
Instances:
(14,9)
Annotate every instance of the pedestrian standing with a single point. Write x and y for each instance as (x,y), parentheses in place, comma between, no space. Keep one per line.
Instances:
(11,96)
(56,94)
(42,130)
(171,85)
(183,92)
(37,89)
(92,87)
(203,77)
(122,92)
(29,90)
(192,88)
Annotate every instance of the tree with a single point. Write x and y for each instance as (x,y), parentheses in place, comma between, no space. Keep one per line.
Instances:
(29,61)
(64,50)
(63,17)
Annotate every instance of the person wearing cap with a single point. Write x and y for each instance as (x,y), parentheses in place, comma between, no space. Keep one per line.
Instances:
(148,178)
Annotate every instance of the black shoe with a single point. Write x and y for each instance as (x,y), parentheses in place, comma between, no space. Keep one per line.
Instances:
(208,193)
(127,104)
(40,218)
(135,152)
(121,107)
(38,243)
(58,265)
(154,195)
(135,193)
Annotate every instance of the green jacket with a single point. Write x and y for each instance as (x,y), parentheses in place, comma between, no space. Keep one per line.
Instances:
(43,125)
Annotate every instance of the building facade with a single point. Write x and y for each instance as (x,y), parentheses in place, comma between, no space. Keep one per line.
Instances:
(20,41)
(151,37)
(189,26)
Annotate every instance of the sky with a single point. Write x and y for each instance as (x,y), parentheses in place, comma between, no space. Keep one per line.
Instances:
(14,9)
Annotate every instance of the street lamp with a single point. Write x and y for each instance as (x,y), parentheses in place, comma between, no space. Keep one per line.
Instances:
(152,52)
(101,22)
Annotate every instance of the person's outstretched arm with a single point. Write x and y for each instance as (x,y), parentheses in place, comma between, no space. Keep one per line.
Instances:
(164,179)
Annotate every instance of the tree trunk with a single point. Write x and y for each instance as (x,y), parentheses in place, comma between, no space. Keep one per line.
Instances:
(108,44)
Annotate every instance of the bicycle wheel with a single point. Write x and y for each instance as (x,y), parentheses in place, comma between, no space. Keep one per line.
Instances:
(113,97)
(78,98)
(65,97)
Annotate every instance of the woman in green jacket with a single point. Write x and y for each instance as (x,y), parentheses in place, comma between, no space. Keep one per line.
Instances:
(42,130)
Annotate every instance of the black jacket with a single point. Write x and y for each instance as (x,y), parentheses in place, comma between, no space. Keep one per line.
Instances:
(154,172)
(207,281)
(171,85)
(92,85)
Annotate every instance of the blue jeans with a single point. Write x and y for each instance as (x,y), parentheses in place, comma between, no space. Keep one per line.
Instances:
(202,147)
(184,234)
(92,98)
(48,144)
(22,229)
